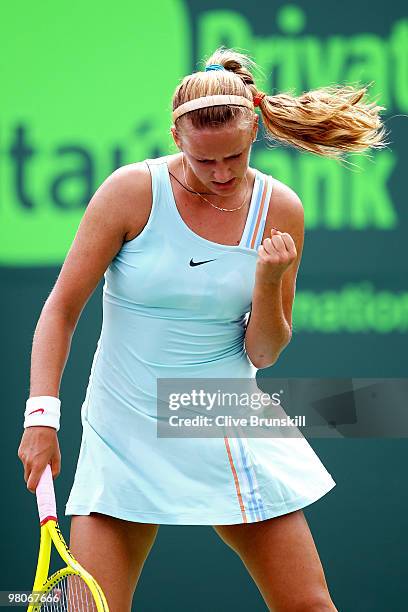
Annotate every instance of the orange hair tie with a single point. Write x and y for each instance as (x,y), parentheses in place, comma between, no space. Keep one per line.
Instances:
(258,98)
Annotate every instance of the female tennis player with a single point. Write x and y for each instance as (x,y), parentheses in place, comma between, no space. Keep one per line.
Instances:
(189,244)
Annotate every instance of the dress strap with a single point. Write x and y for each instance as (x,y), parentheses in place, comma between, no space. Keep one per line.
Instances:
(256,225)
(160,187)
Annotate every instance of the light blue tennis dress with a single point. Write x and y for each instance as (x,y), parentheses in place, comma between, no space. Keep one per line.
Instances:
(165,318)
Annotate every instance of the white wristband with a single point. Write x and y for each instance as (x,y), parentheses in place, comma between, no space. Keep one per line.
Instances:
(43,410)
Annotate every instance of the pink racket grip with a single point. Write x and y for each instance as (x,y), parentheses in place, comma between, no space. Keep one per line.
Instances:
(47,508)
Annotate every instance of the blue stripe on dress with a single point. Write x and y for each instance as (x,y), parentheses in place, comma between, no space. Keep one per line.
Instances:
(253,501)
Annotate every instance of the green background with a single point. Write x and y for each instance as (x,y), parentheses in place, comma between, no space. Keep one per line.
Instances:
(86,88)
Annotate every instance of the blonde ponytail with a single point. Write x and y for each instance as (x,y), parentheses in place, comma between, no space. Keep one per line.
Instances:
(327,121)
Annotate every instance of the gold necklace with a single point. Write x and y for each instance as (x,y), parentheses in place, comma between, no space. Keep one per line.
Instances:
(205,199)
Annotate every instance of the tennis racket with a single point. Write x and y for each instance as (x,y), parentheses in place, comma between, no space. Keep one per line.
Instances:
(72,588)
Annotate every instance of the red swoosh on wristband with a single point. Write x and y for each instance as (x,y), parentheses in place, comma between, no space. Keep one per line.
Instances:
(38,410)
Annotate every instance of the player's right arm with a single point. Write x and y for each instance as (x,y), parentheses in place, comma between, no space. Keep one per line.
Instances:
(118,209)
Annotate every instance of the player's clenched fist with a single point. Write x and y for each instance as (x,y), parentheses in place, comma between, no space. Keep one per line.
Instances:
(275,255)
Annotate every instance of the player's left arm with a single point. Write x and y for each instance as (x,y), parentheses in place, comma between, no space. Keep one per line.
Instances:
(269,328)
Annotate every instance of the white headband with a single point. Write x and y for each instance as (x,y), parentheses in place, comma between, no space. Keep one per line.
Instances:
(206,101)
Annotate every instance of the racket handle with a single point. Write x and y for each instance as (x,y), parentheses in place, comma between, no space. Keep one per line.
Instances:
(46,497)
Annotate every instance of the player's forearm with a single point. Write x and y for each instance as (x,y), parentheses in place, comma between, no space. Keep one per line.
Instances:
(50,351)
(267,331)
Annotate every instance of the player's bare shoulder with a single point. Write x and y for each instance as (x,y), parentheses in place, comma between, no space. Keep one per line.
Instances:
(131,188)
(119,208)
(285,210)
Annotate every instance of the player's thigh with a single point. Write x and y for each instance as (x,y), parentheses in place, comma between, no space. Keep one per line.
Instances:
(113,551)
(281,557)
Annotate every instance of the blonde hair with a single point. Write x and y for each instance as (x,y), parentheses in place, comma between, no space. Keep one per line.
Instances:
(328,121)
